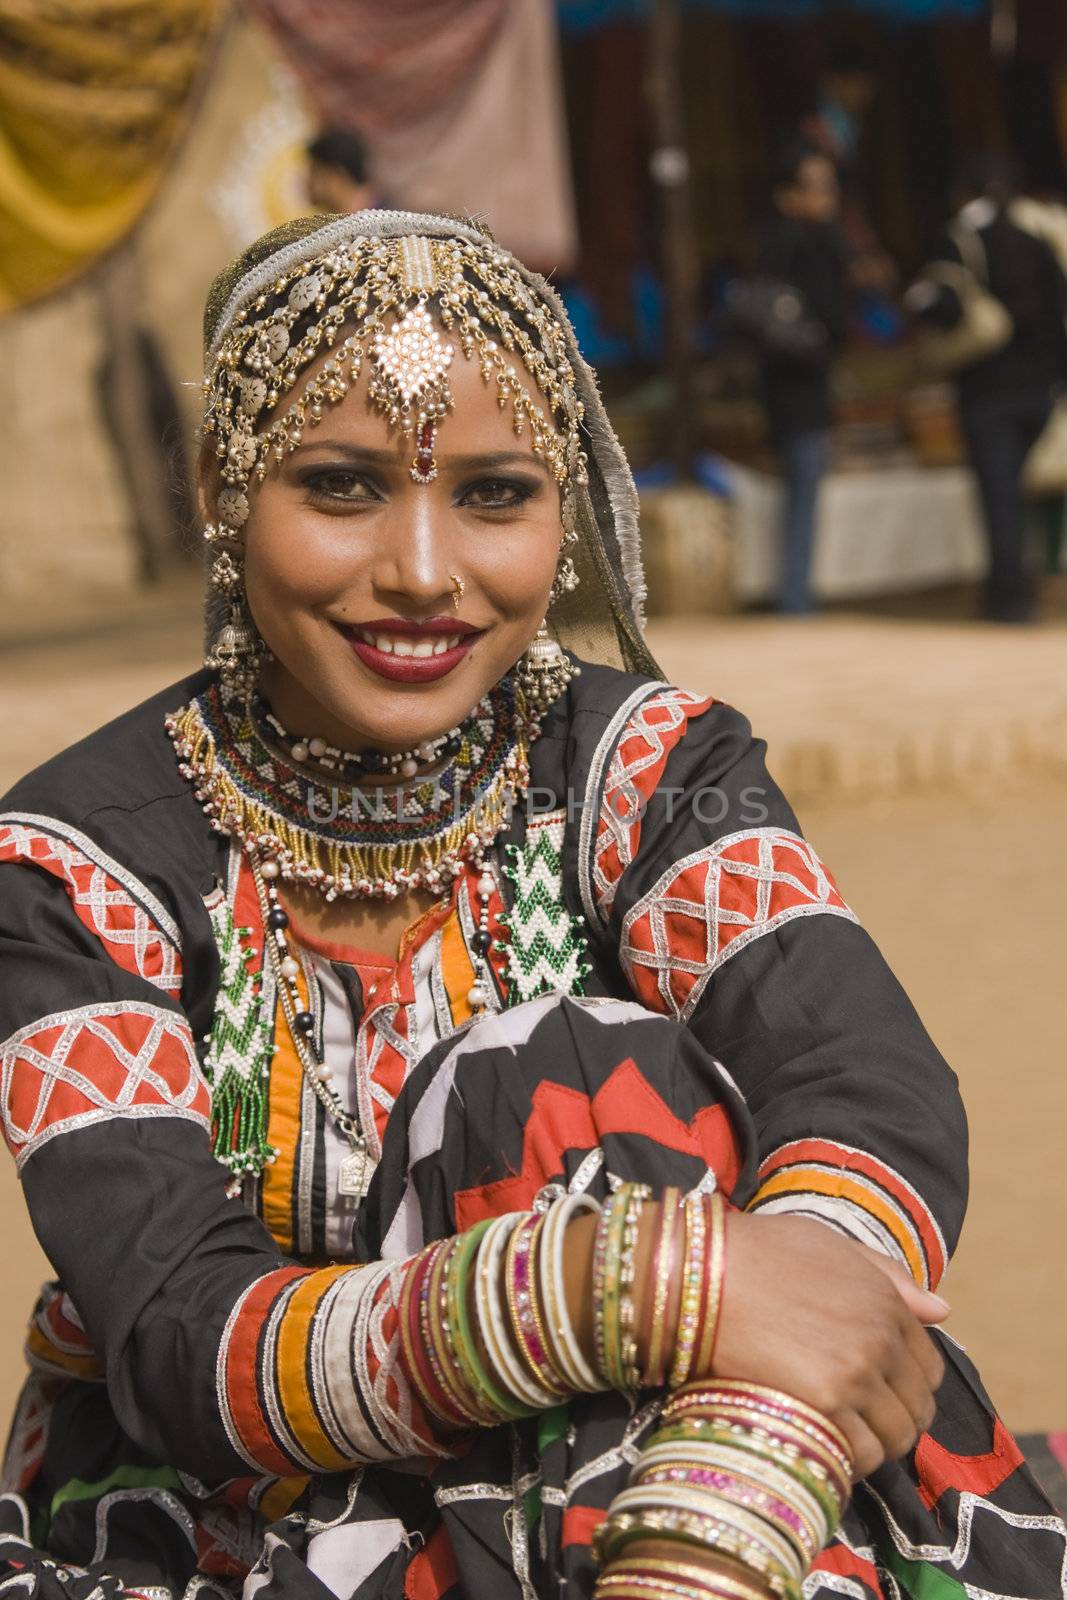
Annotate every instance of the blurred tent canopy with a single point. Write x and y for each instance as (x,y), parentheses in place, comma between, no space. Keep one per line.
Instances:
(459,101)
(94,95)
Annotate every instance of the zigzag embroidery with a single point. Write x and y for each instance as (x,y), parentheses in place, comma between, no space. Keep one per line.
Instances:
(969,1504)
(817,1583)
(239,1054)
(546,953)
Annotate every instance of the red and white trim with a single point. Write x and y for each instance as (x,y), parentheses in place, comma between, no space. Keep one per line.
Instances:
(860,1195)
(135,929)
(114,1059)
(626,769)
(709,905)
(308,1372)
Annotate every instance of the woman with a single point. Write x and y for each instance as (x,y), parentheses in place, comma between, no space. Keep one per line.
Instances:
(249,924)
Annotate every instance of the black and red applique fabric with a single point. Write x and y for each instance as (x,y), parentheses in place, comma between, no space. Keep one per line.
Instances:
(736,1026)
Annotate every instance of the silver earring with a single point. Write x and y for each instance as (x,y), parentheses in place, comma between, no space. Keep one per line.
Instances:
(544,671)
(237,650)
(564,581)
(566,577)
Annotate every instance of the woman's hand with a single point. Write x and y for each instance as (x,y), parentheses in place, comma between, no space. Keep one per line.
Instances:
(808,1311)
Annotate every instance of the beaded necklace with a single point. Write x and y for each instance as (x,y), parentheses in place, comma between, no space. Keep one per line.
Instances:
(378,843)
(425,837)
(354,765)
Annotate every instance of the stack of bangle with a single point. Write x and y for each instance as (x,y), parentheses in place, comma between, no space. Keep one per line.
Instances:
(485,1335)
(688,1261)
(653,1579)
(736,1469)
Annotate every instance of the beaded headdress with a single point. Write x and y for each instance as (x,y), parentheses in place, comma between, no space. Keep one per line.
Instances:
(403,295)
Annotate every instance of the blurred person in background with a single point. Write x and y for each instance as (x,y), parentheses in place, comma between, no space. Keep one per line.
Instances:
(1044,214)
(847,88)
(1006,395)
(803,268)
(338,179)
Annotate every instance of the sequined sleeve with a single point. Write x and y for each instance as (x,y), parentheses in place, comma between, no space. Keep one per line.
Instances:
(724,918)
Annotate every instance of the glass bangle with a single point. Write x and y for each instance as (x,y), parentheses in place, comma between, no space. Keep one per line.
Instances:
(492,1317)
(569,1355)
(527,1325)
(692,1280)
(463,1335)
(662,1273)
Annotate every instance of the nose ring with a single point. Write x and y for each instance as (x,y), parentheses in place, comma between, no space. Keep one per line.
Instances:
(459,588)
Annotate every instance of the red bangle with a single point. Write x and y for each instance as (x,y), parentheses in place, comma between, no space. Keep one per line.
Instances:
(412,1342)
(441,1400)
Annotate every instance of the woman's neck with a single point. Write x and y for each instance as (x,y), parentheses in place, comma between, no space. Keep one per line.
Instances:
(376,926)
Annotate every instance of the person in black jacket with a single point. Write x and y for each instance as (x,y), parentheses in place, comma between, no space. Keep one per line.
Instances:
(1006,398)
(803,252)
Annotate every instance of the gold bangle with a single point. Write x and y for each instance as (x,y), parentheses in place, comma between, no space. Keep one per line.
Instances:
(712,1306)
(693,1278)
(657,1329)
(729,1585)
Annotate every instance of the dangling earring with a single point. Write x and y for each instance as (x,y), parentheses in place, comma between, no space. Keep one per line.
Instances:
(544,671)
(565,580)
(566,577)
(237,649)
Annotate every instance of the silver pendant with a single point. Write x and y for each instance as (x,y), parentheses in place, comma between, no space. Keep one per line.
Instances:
(353,1180)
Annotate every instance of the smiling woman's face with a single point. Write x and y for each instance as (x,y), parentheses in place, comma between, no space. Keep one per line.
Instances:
(349,568)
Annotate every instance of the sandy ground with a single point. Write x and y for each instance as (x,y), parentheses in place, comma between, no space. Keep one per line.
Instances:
(929,766)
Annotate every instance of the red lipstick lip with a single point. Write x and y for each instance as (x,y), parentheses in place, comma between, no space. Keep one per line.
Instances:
(410,669)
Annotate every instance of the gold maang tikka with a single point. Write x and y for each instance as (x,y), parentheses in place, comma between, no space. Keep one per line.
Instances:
(380,287)
(409,382)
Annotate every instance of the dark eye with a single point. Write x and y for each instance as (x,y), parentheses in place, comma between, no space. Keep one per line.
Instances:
(497,494)
(339,484)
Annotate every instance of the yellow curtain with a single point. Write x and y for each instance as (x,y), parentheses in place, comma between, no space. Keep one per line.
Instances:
(93,95)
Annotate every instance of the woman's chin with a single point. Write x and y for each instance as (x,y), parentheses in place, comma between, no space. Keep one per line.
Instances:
(407,717)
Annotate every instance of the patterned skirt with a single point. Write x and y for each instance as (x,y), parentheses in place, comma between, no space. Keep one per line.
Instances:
(502,1117)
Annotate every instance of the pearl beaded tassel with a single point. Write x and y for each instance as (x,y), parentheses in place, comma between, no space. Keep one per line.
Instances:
(480,992)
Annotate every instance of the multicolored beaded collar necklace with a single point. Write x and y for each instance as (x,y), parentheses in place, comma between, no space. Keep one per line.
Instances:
(358,843)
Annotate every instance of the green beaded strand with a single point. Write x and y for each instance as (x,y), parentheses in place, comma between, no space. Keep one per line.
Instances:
(240,1049)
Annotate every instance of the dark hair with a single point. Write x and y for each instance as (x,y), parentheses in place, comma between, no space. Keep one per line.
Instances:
(340,147)
(790,157)
(847,59)
(991,173)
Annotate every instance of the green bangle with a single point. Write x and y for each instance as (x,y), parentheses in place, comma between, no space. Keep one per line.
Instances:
(617,1312)
(463,1341)
(618,1206)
